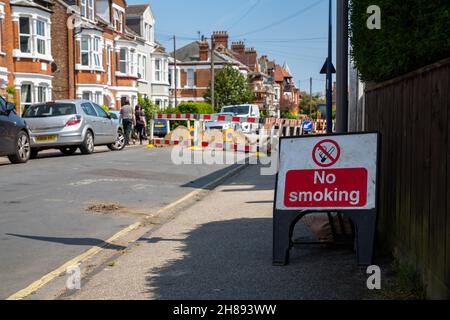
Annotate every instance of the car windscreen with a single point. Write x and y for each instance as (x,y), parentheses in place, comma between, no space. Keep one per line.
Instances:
(50,110)
(237,110)
(113,116)
(161,122)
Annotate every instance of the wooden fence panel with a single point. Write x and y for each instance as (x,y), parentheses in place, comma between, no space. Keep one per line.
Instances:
(412,114)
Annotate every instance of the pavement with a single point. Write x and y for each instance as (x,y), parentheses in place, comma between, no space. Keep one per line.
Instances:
(45,219)
(220,247)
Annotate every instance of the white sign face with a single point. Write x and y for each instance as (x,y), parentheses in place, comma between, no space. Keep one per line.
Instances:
(328,173)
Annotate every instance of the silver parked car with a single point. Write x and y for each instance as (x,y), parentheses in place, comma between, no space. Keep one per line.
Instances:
(71,124)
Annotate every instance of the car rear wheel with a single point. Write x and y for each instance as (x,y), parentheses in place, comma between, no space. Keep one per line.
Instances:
(119,144)
(88,144)
(68,151)
(23,149)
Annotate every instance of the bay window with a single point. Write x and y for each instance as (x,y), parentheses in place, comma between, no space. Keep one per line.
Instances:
(34,37)
(128,59)
(91,52)
(93,96)
(31,93)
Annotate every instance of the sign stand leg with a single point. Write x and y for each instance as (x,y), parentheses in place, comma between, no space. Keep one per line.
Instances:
(284,223)
(283,228)
(365,225)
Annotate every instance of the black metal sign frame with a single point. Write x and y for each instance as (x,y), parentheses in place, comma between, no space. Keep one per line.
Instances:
(365,221)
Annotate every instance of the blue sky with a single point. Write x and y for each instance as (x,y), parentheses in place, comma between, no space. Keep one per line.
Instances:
(292,31)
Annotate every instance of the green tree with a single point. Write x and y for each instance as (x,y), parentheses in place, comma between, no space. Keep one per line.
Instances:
(230,88)
(313,100)
(147,105)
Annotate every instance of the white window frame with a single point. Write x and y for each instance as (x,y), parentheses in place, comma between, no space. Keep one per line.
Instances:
(96,52)
(35,93)
(118,20)
(141,66)
(83,7)
(42,38)
(29,35)
(144,67)
(124,61)
(190,75)
(108,63)
(90,9)
(158,70)
(24,104)
(85,51)
(93,52)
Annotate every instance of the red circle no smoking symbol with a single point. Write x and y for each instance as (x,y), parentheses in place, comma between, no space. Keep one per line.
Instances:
(326,153)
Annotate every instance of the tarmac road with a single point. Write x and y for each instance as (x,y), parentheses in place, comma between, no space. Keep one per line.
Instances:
(44,220)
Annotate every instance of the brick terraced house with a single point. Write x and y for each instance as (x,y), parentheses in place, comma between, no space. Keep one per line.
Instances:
(26,53)
(73,49)
(194,64)
(273,86)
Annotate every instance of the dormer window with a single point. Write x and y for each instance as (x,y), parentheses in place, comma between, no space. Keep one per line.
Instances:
(83,8)
(90,11)
(118,18)
(148,32)
(87,9)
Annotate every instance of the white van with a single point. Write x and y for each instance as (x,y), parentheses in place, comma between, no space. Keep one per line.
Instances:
(244,111)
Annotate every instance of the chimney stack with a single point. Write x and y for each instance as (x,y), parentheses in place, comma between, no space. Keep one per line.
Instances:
(220,38)
(204,49)
(238,47)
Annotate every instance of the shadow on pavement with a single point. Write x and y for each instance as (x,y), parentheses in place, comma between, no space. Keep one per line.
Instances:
(233,260)
(91,242)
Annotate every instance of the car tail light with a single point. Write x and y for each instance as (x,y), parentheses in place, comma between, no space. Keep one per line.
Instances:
(73,121)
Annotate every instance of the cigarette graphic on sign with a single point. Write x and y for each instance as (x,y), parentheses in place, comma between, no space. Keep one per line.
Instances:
(326,153)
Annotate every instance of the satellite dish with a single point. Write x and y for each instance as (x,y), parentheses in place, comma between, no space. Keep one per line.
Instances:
(54,67)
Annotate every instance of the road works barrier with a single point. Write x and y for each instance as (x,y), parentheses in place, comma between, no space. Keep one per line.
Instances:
(229,140)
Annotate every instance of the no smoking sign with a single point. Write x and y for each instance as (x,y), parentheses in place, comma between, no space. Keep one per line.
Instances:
(328,173)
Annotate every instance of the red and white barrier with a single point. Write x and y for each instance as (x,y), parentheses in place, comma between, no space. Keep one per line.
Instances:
(168,142)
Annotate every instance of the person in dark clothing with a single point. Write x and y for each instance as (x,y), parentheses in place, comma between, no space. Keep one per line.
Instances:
(128,119)
(141,123)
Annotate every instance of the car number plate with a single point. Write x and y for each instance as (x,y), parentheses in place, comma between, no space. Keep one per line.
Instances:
(47,138)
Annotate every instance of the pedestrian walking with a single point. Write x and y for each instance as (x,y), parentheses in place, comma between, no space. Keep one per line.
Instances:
(128,119)
(141,123)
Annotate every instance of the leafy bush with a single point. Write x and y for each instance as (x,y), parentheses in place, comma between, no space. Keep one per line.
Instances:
(195,108)
(147,106)
(413,34)
(288,115)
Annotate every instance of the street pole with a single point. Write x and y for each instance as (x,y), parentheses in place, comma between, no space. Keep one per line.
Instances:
(175,71)
(310,97)
(342,67)
(212,73)
(330,74)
